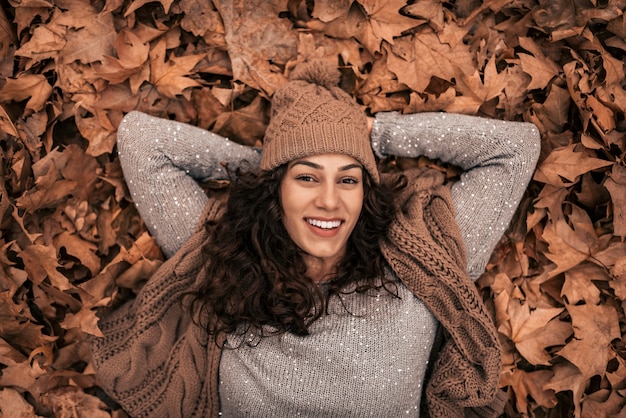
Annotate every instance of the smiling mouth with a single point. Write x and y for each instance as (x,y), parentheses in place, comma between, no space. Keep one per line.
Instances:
(324,224)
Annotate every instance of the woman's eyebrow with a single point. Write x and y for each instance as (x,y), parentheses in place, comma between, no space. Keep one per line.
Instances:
(321,167)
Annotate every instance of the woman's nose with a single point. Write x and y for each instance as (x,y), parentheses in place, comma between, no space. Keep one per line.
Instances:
(328,197)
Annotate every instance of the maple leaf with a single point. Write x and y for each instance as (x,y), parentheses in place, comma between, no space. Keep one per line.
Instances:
(564,166)
(136,4)
(595,326)
(131,62)
(430,10)
(540,68)
(329,10)
(530,385)
(385,22)
(552,114)
(6,124)
(475,91)
(415,59)
(369,21)
(246,125)
(34,87)
(604,402)
(567,377)
(616,185)
(256,39)
(170,76)
(89,35)
(44,43)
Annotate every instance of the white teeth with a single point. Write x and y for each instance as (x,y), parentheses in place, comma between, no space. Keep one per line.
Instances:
(324,224)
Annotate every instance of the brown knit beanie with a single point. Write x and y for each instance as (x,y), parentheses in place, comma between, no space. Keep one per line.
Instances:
(312,115)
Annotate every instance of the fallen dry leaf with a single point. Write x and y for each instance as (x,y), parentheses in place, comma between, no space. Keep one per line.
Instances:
(72,240)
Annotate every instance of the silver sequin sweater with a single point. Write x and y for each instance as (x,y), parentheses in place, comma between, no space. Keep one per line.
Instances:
(371,361)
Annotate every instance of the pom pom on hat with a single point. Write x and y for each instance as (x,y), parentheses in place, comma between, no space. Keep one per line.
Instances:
(312,115)
(317,72)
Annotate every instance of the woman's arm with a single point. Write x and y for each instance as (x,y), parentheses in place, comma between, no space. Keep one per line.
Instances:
(161,160)
(498,159)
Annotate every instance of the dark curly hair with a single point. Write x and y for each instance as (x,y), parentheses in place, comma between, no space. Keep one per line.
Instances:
(254,274)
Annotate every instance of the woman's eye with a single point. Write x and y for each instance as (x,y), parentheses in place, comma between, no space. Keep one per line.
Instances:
(304,177)
(349,180)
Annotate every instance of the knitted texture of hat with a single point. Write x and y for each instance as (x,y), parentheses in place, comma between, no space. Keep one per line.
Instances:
(312,115)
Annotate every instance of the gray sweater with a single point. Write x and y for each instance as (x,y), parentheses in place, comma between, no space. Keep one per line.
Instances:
(371,361)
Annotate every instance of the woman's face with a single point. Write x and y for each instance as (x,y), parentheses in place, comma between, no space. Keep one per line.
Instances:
(321,197)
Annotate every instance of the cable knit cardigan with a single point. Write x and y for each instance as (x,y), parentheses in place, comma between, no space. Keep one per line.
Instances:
(156,362)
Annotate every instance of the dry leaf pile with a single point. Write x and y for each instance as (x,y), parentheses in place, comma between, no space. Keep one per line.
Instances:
(72,241)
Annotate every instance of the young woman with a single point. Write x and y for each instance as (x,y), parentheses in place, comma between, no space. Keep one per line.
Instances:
(318,288)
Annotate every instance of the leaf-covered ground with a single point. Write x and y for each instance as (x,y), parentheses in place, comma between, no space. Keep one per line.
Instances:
(72,241)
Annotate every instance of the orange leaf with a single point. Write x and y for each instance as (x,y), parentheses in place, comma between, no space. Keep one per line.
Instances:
(616,185)
(415,59)
(595,326)
(540,68)
(564,166)
(25,86)
(170,76)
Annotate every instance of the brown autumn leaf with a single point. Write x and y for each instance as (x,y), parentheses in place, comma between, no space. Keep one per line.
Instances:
(616,185)
(201,18)
(89,35)
(369,21)
(256,38)
(328,10)
(569,235)
(595,326)
(385,23)
(169,75)
(567,377)
(136,4)
(44,44)
(564,166)
(6,124)
(534,348)
(70,402)
(246,125)
(540,68)
(604,403)
(476,90)
(579,287)
(430,10)
(13,405)
(530,385)
(416,58)
(34,87)
(131,63)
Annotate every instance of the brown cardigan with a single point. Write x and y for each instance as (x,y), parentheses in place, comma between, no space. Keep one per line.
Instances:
(155,362)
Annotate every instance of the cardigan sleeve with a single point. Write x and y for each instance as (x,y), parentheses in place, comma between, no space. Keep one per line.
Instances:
(151,358)
(498,159)
(162,161)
